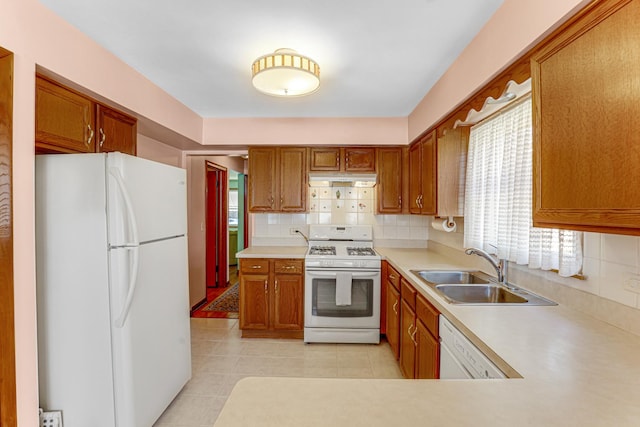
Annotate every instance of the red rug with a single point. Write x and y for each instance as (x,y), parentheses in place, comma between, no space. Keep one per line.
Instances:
(222,304)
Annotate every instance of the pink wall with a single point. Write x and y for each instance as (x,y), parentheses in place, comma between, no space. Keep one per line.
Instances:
(306,131)
(515,27)
(38,37)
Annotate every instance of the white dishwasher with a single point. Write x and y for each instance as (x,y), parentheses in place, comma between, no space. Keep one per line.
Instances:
(460,359)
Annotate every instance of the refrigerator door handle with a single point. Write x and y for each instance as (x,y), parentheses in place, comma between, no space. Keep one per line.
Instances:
(131,216)
(133,280)
(132,246)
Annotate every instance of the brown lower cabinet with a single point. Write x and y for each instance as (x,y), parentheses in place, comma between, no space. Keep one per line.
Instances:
(412,330)
(427,340)
(391,283)
(271,300)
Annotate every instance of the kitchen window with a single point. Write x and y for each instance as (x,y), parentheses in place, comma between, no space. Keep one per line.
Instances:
(498,197)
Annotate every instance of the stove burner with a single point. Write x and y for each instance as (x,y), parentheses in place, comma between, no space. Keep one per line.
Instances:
(360,252)
(322,250)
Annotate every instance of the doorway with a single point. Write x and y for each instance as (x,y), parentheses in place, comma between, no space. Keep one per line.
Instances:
(216,226)
(8,408)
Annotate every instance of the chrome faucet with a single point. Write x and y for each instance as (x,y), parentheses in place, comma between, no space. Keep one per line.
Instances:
(500,265)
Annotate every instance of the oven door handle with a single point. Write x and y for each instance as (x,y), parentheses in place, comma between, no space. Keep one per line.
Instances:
(333,274)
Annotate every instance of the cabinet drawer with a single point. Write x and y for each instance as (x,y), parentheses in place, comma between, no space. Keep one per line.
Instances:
(291,266)
(408,293)
(427,315)
(254,266)
(393,277)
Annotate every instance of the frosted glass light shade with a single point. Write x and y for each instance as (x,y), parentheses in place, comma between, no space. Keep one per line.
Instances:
(285,73)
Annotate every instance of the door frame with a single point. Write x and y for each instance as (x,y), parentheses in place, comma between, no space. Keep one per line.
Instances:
(216,225)
(8,404)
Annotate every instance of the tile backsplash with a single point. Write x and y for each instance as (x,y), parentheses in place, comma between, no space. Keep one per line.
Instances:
(342,205)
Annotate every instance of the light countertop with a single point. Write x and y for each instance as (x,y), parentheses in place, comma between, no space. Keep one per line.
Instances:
(273,252)
(567,369)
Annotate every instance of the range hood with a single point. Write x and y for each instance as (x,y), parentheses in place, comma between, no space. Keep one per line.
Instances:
(324,179)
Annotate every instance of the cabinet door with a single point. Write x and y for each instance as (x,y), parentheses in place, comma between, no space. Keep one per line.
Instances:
(407,343)
(429,171)
(415,177)
(324,159)
(360,159)
(262,179)
(393,319)
(585,123)
(254,301)
(452,168)
(116,131)
(65,120)
(288,302)
(427,354)
(293,179)
(389,186)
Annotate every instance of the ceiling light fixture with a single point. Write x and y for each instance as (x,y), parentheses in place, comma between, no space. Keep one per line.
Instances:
(285,73)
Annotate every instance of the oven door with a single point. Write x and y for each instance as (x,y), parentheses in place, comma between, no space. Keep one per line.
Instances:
(321,309)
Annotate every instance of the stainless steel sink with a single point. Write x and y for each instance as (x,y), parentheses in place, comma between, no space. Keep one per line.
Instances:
(477,288)
(479,294)
(453,277)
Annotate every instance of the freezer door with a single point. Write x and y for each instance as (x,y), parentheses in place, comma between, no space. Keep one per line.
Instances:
(152,350)
(144,196)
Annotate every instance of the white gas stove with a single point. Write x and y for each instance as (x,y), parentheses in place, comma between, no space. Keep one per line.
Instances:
(342,285)
(341,246)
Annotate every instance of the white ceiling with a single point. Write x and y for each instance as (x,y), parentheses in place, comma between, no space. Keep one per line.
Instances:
(378,58)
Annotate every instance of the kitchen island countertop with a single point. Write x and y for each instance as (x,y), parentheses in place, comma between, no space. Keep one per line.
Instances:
(566,369)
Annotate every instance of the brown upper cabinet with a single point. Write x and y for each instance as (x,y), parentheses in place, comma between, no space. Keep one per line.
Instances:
(342,159)
(452,164)
(69,122)
(116,131)
(277,179)
(391,180)
(423,175)
(585,96)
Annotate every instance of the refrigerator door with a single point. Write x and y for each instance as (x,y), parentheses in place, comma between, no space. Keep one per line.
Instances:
(152,350)
(146,195)
(72,287)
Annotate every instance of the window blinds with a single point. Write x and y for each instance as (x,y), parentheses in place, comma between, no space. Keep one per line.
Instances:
(498,197)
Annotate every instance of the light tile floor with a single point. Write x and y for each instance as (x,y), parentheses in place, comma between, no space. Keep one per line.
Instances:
(220,358)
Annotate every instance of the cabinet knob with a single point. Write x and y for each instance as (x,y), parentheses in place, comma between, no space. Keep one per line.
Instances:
(413,337)
(102,137)
(257,267)
(91,133)
(400,201)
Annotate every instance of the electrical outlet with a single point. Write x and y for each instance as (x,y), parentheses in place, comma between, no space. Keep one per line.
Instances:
(632,284)
(293,231)
(51,419)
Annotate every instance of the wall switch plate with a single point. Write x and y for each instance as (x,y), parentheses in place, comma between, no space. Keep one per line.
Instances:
(51,419)
(632,284)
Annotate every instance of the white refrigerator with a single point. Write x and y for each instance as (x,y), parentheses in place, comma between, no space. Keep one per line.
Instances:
(112,288)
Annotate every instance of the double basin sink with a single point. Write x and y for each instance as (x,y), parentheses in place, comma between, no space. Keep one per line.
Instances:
(477,288)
